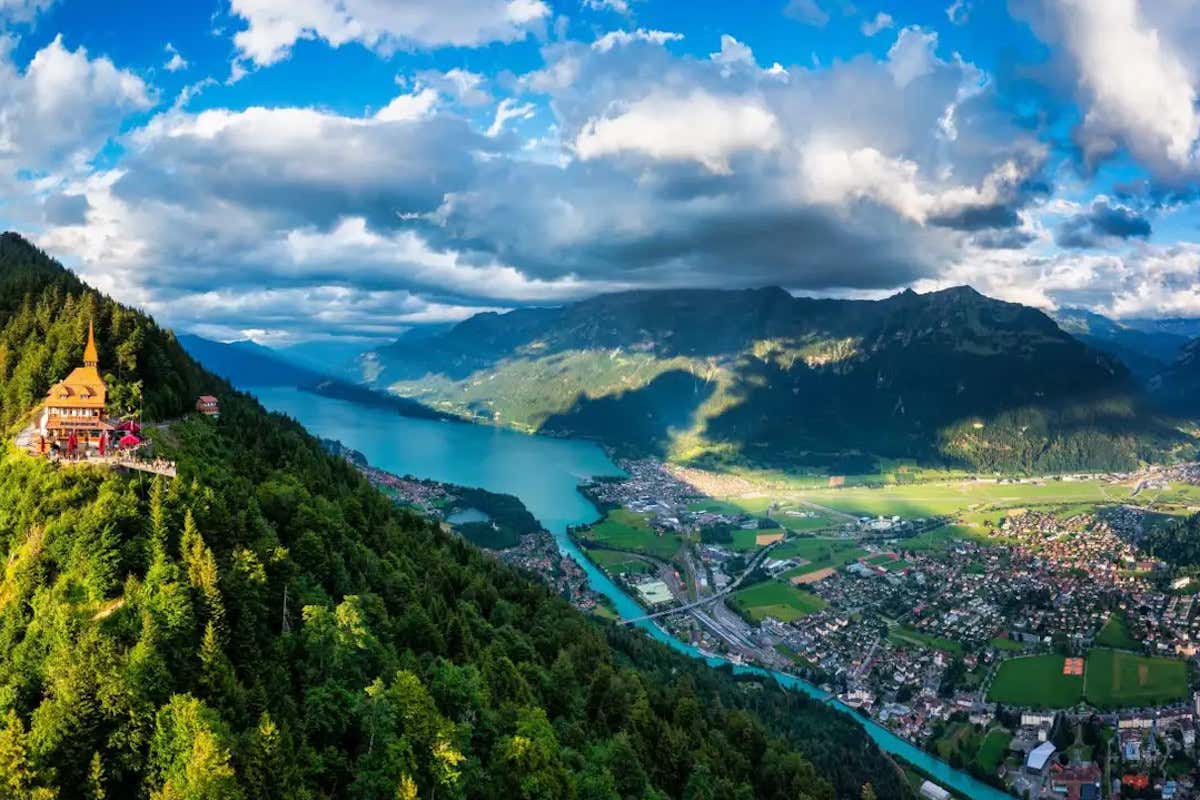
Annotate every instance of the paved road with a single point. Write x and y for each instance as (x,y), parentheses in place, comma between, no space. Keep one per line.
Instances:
(705,600)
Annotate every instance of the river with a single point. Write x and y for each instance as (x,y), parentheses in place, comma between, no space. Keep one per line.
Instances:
(544,473)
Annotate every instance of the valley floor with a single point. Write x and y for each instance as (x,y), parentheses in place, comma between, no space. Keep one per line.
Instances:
(1018,609)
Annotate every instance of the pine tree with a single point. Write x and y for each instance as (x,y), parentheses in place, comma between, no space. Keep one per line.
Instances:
(95,779)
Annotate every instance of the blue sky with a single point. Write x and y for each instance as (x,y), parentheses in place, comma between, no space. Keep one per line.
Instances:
(295,169)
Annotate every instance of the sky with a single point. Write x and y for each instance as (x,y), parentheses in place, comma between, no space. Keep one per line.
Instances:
(294,170)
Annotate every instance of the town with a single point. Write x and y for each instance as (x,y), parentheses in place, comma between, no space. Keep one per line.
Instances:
(1040,649)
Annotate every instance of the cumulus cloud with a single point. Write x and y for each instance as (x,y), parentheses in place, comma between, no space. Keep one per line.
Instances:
(1135,77)
(418,104)
(642,167)
(1146,281)
(913,55)
(62,108)
(175,61)
(1101,224)
(274,26)
(619,38)
(619,6)
(466,87)
(699,126)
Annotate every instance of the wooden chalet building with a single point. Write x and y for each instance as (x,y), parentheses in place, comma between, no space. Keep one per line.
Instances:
(74,409)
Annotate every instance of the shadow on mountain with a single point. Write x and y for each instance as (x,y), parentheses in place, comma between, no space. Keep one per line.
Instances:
(640,420)
(903,403)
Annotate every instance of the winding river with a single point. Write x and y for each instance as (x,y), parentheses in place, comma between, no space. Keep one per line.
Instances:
(544,473)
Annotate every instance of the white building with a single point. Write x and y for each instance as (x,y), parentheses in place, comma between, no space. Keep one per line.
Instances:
(1040,757)
(932,791)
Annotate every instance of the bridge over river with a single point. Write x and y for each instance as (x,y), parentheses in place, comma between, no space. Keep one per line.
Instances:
(703,601)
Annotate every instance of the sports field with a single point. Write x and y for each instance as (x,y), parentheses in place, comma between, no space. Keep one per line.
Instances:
(625,530)
(1111,679)
(1116,679)
(775,599)
(1036,682)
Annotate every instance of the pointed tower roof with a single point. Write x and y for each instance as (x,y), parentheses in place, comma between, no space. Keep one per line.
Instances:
(90,357)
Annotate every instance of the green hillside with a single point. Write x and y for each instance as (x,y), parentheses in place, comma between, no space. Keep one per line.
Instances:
(267,625)
(761,377)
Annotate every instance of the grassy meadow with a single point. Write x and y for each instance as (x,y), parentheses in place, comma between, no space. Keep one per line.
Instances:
(775,599)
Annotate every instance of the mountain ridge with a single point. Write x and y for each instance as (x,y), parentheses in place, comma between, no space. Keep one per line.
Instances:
(761,376)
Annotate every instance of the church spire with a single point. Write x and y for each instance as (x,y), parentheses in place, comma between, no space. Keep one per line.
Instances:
(90,357)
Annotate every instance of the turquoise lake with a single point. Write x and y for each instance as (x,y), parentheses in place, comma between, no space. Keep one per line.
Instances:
(544,473)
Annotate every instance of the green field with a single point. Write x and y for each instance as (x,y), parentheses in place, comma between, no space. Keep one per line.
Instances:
(944,499)
(618,563)
(747,540)
(1112,679)
(993,750)
(820,553)
(766,506)
(1115,634)
(959,737)
(905,636)
(1036,682)
(1116,679)
(782,601)
(624,530)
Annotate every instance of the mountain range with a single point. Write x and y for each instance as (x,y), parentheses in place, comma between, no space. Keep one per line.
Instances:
(763,377)
(760,377)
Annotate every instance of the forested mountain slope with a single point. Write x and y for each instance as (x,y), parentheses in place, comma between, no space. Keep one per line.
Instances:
(765,377)
(1143,352)
(269,626)
(1177,387)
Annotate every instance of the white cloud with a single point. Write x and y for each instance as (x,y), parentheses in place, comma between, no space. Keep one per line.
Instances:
(734,56)
(882,21)
(913,55)
(63,107)
(273,26)
(1134,82)
(509,109)
(176,61)
(959,12)
(23,10)
(463,85)
(419,104)
(733,53)
(618,6)
(620,38)
(833,175)
(700,127)
(807,11)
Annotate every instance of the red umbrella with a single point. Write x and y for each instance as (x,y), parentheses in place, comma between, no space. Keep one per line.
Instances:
(103,445)
(72,443)
(130,425)
(129,440)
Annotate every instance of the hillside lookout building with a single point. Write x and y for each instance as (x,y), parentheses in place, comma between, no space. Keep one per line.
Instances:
(73,415)
(208,405)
